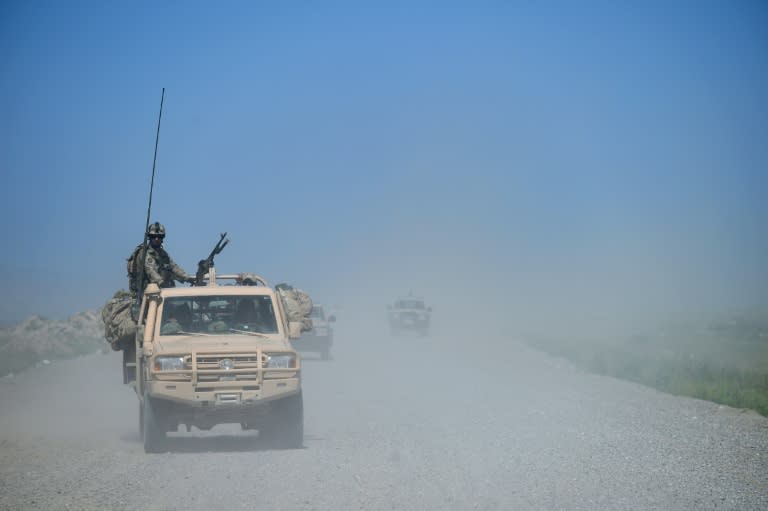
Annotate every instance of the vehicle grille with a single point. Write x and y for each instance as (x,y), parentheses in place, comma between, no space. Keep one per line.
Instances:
(212,367)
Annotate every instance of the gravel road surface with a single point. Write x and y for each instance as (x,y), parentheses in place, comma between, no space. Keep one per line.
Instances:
(444,422)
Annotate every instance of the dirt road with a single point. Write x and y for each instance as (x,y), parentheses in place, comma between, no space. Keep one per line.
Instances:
(390,423)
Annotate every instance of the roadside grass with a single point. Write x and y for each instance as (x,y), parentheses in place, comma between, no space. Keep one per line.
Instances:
(724,362)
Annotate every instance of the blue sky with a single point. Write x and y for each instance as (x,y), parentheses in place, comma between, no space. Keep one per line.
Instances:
(558,153)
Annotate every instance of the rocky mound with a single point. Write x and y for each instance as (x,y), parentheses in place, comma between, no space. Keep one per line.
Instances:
(36,339)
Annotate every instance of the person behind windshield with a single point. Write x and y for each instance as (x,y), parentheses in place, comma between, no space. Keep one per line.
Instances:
(177,319)
(253,316)
(246,313)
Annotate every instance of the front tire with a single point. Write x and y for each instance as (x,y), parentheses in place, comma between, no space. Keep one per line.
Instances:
(286,427)
(141,420)
(153,433)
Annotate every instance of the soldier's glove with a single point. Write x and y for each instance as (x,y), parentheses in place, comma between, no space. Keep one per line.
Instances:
(190,280)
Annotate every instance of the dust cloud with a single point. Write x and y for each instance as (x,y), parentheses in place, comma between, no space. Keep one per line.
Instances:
(483,283)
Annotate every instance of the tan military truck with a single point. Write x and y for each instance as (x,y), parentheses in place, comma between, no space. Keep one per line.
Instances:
(213,354)
(409,314)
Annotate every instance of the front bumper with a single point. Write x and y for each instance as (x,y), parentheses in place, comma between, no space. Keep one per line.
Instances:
(223,394)
(409,323)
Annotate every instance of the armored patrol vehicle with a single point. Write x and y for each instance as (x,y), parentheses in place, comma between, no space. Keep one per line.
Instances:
(215,353)
(409,314)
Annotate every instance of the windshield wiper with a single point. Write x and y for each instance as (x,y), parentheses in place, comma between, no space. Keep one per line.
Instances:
(201,334)
(249,332)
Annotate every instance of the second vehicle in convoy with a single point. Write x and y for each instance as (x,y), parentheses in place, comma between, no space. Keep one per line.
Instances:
(320,338)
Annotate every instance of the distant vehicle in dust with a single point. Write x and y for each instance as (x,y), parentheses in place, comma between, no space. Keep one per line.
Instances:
(409,314)
(320,338)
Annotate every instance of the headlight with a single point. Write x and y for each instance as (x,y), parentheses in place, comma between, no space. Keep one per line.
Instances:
(169,363)
(280,361)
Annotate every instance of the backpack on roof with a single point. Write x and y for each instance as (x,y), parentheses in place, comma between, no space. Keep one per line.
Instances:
(298,306)
(119,326)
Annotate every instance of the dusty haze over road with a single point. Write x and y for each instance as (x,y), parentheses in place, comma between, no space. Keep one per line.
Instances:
(458,420)
(565,169)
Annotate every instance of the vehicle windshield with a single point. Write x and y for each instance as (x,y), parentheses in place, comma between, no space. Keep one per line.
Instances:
(409,304)
(218,315)
(317,312)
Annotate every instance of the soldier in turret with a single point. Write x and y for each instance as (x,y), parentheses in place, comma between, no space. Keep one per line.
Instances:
(159,267)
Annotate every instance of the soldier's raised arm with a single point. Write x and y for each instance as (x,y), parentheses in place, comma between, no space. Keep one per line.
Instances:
(177,271)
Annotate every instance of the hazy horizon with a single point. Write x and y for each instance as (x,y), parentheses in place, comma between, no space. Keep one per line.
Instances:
(555,165)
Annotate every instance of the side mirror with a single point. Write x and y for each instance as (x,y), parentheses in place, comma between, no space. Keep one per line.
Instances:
(331,318)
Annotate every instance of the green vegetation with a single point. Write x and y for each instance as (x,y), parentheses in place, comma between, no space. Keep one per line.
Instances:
(725,361)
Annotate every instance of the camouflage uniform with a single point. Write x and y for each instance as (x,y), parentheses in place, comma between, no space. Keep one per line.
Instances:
(161,269)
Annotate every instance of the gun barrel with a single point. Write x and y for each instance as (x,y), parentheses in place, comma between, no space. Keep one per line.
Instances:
(205,265)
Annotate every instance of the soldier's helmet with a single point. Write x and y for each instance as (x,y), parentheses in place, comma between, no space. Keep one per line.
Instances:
(156,229)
